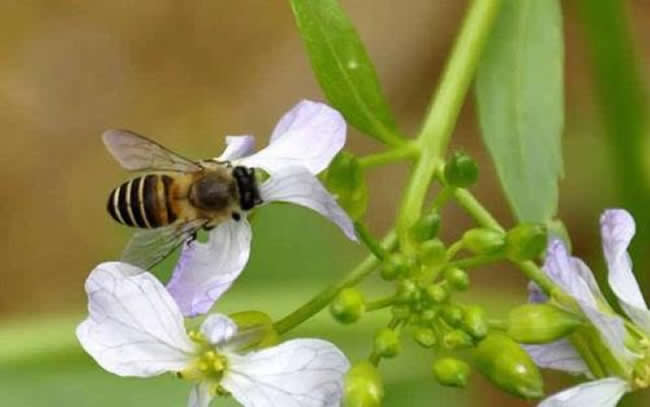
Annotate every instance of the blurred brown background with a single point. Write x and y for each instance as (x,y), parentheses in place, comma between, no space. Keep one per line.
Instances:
(188,73)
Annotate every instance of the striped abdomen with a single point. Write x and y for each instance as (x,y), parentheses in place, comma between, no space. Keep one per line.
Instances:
(143,202)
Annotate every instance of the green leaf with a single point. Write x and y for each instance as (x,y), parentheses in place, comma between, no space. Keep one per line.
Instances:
(343,68)
(520,91)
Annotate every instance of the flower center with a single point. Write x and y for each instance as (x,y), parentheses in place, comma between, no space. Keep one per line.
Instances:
(209,364)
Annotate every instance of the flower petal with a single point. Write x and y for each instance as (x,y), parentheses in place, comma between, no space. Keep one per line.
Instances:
(309,135)
(559,355)
(612,331)
(237,147)
(206,270)
(217,329)
(535,294)
(200,395)
(297,373)
(600,393)
(566,272)
(134,327)
(617,229)
(299,186)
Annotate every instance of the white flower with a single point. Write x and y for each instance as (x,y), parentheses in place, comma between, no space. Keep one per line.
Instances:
(575,278)
(135,328)
(303,143)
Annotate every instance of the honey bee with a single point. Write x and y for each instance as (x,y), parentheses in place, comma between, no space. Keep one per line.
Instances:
(175,198)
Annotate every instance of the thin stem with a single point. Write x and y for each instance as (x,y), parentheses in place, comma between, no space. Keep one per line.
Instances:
(408,151)
(380,303)
(444,110)
(441,198)
(475,261)
(321,300)
(476,210)
(371,243)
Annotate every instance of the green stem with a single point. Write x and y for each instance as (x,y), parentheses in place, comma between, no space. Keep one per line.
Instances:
(322,299)
(467,201)
(444,110)
(407,151)
(380,303)
(475,261)
(373,245)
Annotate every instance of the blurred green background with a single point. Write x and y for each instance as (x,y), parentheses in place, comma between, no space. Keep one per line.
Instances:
(188,73)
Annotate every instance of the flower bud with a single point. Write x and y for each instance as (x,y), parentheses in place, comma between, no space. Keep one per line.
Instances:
(407,291)
(451,372)
(508,366)
(483,241)
(436,293)
(526,241)
(461,170)
(428,315)
(474,321)
(540,323)
(425,336)
(346,179)
(254,330)
(457,278)
(363,386)
(452,315)
(387,344)
(426,228)
(396,265)
(457,339)
(432,252)
(348,306)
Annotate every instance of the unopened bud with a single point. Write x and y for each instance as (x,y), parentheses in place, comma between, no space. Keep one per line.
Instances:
(432,252)
(457,278)
(254,330)
(451,372)
(540,323)
(457,339)
(348,306)
(508,366)
(452,314)
(394,266)
(346,180)
(483,241)
(426,228)
(436,293)
(425,336)
(526,241)
(387,344)
(407,291)
(474,321)
(363,386)
(461,170)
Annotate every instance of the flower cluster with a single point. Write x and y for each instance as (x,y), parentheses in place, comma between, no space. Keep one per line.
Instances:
(136,325)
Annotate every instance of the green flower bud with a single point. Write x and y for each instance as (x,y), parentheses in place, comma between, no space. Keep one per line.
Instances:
(432,252)
(346,179)
(387,344)
(363,386)
(426,337)
(457,339)
(348,306)
(508,366)
(396,265)
(255,329)
(461,170)
(483,241)
(426,228)
(457,278)
(436,293)
(540,323)
(526,241)
(451,372)
(452,315)
(428,315)
(407,291)
(474,321)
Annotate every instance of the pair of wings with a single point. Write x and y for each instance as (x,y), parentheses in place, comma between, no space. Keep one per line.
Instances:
(148,247)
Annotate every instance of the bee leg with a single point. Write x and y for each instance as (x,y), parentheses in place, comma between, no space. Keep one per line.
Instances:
(209,228)
(193,237)
(236,216)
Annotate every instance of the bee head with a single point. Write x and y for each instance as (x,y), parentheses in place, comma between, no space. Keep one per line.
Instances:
(249,195)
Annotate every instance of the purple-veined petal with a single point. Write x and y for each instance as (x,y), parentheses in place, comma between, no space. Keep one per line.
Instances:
(559,355)
(309,136)
(563,270)
(218,329)
(535,294)
(296,373)
(612,331)
(297,185)
(600,393)
(237,147)
(617,229)
(134,327)
(200,395)
(206,270)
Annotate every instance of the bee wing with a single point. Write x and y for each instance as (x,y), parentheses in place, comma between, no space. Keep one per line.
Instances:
(138,153)
(149,247)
